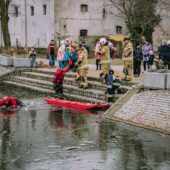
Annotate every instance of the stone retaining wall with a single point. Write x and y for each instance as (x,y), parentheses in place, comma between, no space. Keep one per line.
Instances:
(155,80)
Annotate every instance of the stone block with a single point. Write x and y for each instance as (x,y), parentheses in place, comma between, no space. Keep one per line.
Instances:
(6,61)
(168,81)
(22,62)
(153,80)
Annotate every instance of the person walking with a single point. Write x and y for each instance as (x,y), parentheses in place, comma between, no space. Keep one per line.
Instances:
(147,47)
(127,57)
(137,60)
(52,53)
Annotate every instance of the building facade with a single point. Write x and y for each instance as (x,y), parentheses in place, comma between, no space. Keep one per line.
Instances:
(42,20)
(31,22)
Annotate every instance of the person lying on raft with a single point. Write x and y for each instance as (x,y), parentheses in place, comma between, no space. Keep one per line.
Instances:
(58,81)
(10,102)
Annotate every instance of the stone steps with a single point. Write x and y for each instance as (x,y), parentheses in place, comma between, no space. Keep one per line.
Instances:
(67,88)
(51,92)
(70,81)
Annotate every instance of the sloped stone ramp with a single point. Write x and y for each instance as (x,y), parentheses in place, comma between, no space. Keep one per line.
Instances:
(147,109)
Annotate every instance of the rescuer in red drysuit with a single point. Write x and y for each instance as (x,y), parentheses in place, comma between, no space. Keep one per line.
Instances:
(58,81)
(11,102)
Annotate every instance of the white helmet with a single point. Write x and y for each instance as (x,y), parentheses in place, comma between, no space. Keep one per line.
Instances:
(168,42)
(103,41)
(110,44)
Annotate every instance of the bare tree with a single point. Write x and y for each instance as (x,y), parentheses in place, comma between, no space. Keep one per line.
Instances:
(4,7)
(140,16)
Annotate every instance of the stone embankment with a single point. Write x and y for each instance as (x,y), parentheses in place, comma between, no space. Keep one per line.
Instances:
(148,109)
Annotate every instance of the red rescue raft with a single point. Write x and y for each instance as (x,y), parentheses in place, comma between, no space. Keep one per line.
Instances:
(77,105)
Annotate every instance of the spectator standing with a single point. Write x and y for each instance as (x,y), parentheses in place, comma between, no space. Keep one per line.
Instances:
(137,60)
(147,47)
(52,53)
(32,56)
(60,56)
(167,58)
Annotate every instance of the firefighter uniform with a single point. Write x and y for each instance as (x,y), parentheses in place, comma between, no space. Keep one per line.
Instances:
(127,58)
(105,58)
(83,67)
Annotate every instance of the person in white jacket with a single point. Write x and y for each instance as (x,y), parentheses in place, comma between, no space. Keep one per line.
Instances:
(60,56)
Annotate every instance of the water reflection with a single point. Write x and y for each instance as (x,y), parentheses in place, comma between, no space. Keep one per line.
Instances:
(44,137)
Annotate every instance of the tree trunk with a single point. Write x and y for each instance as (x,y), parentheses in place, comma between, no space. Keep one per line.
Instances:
(4,25)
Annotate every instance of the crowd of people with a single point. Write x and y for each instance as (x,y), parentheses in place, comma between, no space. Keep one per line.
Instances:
(71,56)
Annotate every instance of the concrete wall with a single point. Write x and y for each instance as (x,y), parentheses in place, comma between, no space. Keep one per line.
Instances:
(70,20)
(39,26)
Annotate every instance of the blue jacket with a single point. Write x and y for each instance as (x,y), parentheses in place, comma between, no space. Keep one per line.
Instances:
(74,56)
(66,56)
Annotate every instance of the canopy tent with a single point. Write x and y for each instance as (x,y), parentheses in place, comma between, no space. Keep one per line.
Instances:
(117,37)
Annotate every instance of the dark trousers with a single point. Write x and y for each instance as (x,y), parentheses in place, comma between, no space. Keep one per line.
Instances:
(66,63)
(59,90)
(145,64)
(98,65)
(137,67)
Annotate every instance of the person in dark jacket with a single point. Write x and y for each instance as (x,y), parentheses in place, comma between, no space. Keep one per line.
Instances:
(167,58)
(163,50)
(138,56)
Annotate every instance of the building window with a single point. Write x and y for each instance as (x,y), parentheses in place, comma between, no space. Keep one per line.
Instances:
(84,8)
(16,11)
(83,33)
(104,13)
(118,29)
(44,9)
(32,11)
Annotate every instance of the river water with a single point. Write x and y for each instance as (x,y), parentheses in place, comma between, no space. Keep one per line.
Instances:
(40,137)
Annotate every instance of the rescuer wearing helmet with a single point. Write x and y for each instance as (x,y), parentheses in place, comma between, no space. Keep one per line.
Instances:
(105,55)
(82,66)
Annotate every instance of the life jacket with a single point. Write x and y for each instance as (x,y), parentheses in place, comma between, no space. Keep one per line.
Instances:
(58,77)
(11,100)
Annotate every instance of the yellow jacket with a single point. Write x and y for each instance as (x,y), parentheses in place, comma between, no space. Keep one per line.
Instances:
(127,51)
(105,54)
(82,59)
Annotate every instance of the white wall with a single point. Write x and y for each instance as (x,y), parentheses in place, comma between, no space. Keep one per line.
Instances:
(39,27)
(92,20)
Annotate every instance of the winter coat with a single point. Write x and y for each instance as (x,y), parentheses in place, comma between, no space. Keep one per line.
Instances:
(168,54)
(66,56)
(163,52)
(50,49)
(61,52)
(146,49)
(138,54)
(74,56)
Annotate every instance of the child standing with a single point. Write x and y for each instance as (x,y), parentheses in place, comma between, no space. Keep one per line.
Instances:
(66,56)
